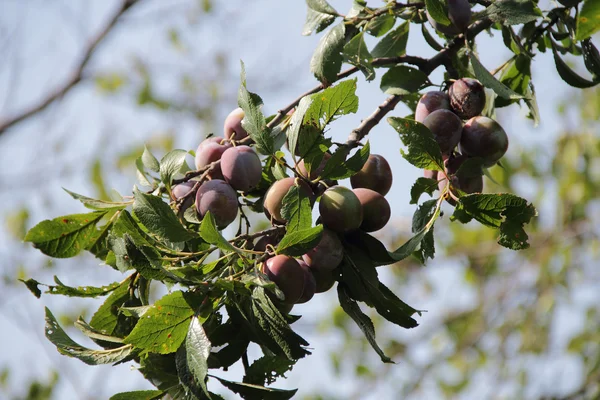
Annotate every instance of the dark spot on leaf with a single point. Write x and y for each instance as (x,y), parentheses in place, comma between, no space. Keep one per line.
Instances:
(65,220)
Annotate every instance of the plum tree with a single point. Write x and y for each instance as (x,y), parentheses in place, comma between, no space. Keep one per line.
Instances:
(241,167)
(467,97)
(209,151)
(340,209)
(288,275)
(232,128)
(459,12)
(430,102)
(328,254)
(273,198)
(446,128)
(376,209)
(220,199)
(310,284)
(483,137)
(376,175)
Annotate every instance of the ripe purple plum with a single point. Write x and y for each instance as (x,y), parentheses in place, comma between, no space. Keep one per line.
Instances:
(262,243)
(340,209)
(483,137)
(430,102)
(178,191)
(232,128)
(326,255)
(310,284)
(459,12)
(274,197)
(376,209)
(467,97)
(446,128)
(288,275)
(324,280)
(467,183)
(211,150)
(220,199)
(241,167)
(376,175)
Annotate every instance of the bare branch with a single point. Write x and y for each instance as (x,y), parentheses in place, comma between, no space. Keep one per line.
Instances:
(76,75)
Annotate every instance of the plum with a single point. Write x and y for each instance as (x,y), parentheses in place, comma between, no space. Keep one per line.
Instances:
(326,255)
(448,30)
(310,284)
(340,209)
(178,191)
(324,279)
(241,168)
(288,275)
(376,209)
(376,175)
(459,12)
(211,150)
(262,243)
(274,197)
(468,183)
(232,128)
(483,137)
(467,97)
(446,128)
(430,102)
(220,199)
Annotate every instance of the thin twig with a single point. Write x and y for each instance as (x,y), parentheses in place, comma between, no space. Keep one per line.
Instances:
(76,76)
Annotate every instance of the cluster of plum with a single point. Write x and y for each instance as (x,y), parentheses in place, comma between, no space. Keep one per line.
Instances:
(341,209)
(443,113)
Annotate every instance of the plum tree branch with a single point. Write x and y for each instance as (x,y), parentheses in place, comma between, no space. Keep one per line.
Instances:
(76,75)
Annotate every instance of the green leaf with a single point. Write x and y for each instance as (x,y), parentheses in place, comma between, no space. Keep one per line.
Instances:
(192,359)
(139,395)
(568,75)
(423,220)
(296,209)
(65,345)
(331,103)
(403,80)
(438,11)
(149,161)
(267,369)
(95,334)
(516,75)
(488,80)
(337,167)
(141,259)
(588,20)
(159,218)
(95,204)
(32,285)
(380,25)
(505,211)
(512,12)
(365,324)
(394,43)
(319,16)
(65,236)
(249,391)
(171,164)
(357,53)
(105,319)
(430,39)
(210,233)
(326,61)
(591,58)
(81,291)
(254,121)
(422,185)
(164,327)
(321,6)
(423,150)
(296,123)
(297,243)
